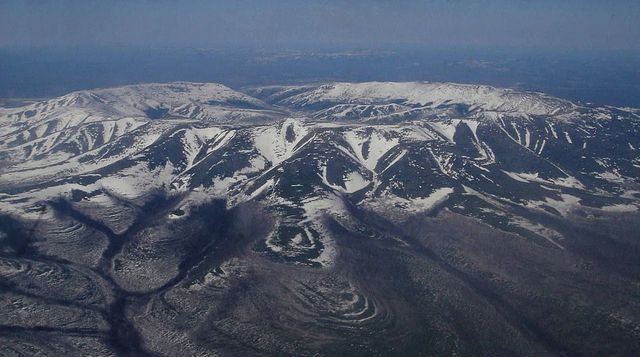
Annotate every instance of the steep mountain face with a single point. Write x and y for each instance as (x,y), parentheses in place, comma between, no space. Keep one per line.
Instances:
(343,218)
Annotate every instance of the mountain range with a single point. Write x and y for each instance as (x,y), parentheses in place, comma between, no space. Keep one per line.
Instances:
(379,218)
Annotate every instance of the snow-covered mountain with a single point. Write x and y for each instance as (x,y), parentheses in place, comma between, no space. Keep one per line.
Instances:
(407,95)
(319,184)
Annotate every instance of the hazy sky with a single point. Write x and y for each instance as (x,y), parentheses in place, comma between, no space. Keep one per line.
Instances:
(585,24)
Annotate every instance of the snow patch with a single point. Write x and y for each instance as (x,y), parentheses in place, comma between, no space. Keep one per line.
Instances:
(620,208)
(447,130)
(377,143)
